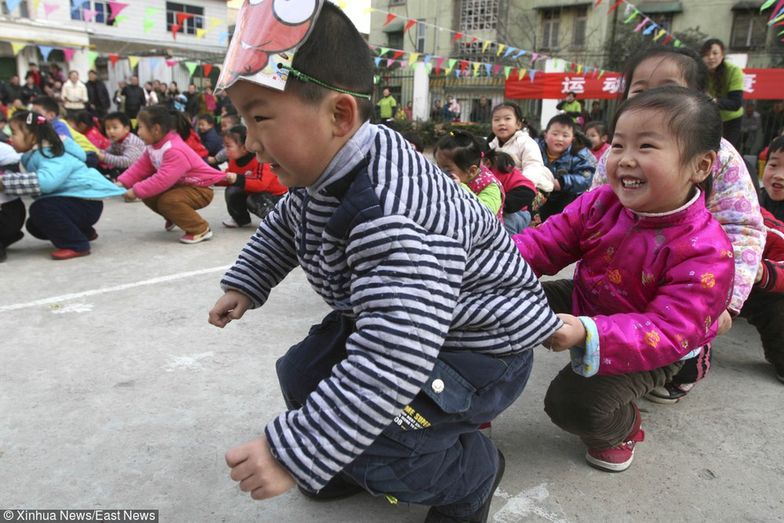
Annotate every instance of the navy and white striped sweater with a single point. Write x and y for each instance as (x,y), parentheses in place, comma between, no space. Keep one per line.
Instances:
(424,267)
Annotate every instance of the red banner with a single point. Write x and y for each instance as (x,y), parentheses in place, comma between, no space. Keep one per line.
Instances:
(760,84)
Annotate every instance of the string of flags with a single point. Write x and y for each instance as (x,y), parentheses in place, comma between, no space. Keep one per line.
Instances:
(776,15)
(647,26)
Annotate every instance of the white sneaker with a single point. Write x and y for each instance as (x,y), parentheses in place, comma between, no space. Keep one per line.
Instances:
(231,223)
(196,238)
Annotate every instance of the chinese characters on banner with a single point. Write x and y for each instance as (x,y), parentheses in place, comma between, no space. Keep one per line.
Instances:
(760,84)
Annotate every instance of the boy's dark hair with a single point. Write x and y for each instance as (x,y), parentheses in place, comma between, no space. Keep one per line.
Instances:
(207,118)
(510,105)
(238,133)
(693,69)
(120,117)
(573,93)
(158,115)
(721,71)
(47,103)
(501,161)
(336,54)
(690,115)
(465,149)
(85,118)
(42,130)
(563,119)
(600,127)
(776,145)
(231,116)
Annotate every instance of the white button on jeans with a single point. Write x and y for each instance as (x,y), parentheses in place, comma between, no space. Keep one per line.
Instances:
(438,386)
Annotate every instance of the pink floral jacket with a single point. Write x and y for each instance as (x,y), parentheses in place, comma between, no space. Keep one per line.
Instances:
(648,288)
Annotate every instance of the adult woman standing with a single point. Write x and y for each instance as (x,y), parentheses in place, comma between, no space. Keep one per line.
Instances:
(725,85)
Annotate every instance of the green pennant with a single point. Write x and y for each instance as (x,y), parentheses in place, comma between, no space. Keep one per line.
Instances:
(382,51)
(91,56)
(151,11)
(631,17)
(507,71)
(767,4)
(677,43)
(148,25)
(119,19)
(428,67)
(452,62)
(191,66)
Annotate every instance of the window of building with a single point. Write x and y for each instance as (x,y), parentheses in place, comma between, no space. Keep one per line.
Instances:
(749,29)
(395,40)
(190,25)
(551,24)
(420,36)
(101,10)
(580,26)
(473,51)
(476,15)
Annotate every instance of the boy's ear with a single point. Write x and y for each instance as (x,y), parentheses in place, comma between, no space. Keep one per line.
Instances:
(703,166)
(345,114)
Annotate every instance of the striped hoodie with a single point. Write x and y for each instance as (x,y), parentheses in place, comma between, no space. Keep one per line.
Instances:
(421,265)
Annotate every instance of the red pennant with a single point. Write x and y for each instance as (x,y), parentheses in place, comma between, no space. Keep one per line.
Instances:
(397,55)
(390,18)
(114,58)
(174,29)
(463,65)
(615,6)
(667,39)
(474,40)
(411,23)
(457,36)
(597,3)
(181,17)
(206,69)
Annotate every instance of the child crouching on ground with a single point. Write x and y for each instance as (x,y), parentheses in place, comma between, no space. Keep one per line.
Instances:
(12,208)
(655,271)
(252,187)
(461,155)
(67,193)
(125,146)
(410,263)
(170,178)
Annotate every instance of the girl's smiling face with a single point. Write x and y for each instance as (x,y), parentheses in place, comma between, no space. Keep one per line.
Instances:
(656,71)
(505,123)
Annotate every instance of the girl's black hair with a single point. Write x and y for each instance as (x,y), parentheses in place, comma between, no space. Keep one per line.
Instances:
(690,115)
(159,115)
(776,145)
(515,109)
(501,161)
(693,69)
(45,135)
(238,133)
(580,141)
(465,149)
(721,71)
(181,124)
(600,127)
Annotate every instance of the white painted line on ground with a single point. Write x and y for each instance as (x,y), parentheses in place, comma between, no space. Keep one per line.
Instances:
(114,288)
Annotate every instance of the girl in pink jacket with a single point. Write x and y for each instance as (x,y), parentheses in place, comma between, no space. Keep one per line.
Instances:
(654,270)
(170,178)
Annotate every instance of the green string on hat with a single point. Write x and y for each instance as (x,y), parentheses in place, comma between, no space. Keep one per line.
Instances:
(299,75)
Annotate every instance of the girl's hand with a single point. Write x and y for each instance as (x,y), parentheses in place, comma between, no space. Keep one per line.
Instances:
(129,195)
(231,177)
(571,334)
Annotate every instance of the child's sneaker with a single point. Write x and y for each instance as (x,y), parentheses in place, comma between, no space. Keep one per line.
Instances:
(67,254)
(619,457)
(169,225)
(670,393)
(196,238)
(231,223)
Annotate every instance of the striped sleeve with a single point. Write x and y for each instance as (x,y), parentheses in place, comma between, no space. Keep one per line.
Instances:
(266,259)
(405,286)
(21,184)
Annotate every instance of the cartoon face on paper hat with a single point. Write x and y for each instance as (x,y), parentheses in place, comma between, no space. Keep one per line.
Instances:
(267,33)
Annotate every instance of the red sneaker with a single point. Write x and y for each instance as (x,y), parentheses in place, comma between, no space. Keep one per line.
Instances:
(169,225)
(67,254)
(619,457)
(196,238)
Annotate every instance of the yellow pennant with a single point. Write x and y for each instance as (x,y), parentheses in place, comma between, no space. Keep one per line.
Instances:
(521,73)
(476,65)
(486,45)
(501,48)
(133,60)
(16,47)
(200,33)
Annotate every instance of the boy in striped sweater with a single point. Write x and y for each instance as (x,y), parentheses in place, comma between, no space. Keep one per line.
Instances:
(435,315)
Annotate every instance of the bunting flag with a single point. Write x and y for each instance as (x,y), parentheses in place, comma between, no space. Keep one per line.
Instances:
(45,51)
(390,18)
(398,54)
(507,71)
(206,69)
(133,61)
(91,56)
(171,63)
(151,11)
(214,22)
(223,37)
(68,52)
(148,25)
(115,8)
(181,17)
(88,14)
(35,6)
(615,6)
(411,23)
(641,25)
(450,65)
(12,4)
(532,74)
(412,59)
(191,66)
(439,63)
(120,19)
(650,29)
(377,60)
(16,47)
(661,33)
(500,50)
(382,51)
(485,45)
(521,73)
(200,32)
(114,58)
(174,29)
(457,36)
(475,67)
(488,69)
(49,8)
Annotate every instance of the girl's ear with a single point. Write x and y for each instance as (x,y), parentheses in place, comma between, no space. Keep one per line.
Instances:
(473,171)
(703,166)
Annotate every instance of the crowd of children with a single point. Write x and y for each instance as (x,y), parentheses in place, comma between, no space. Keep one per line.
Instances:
(430,267)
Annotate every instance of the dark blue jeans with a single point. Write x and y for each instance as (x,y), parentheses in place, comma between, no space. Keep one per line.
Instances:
(443,461)
(66,222)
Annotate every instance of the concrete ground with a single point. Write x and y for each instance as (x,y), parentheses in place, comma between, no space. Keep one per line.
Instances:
(115,392)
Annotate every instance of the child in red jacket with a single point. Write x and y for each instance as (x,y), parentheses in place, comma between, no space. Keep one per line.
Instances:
(252,187)
(765,306)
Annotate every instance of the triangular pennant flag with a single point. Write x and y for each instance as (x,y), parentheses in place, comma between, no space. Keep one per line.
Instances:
(12,4)
(427,59)
(171,63)
(457,37)
(507,71)
(642,24)
(181,17)
(223,37)
(485,45)
(398,54)
(579,69)
(650,29)
(191,67)
(120,19)
(500,50)
(200,32)
(667,39)
(88,14)
(428,68)
(534,57)
(16,47)
(390,18)
(615,6)
(509,51)
(148,25)
(464,65)
(151,11)
(49,8)
(154,62)
(215,22)
(390,61)
(115,8)
(488,68)
(439,63)
(206,69)
(531,74)
(174,29)
(382,51)
(601,73)
(520,53)
(411,23)
(597,3)
(68,52)
(631,17)
(521,73)
(677,43)
(91,56)
(412,59)
(132,61)
(659,34)
(767,4)
(475,67)
(450,65)
(114,58)
(378,61)
(45,50)
(496,68)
